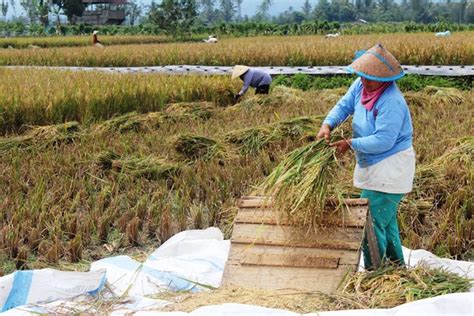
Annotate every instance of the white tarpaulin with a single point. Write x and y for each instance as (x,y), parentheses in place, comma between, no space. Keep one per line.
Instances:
(189,261)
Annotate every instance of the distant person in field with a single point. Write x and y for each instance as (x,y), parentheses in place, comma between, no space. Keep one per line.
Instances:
(211,39)
(382,142)
(255,78)
(95,40)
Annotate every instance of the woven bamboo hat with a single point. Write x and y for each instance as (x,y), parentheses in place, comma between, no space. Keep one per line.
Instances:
(376,64)
(239,70)
(95,32)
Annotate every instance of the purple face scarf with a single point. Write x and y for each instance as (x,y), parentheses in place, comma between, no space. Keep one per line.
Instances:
(369,98)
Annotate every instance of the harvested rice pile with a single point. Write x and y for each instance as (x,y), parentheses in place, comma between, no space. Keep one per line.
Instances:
(132,121)
(385,288)
(280,96)
(450,96)
(42,136)
(197,110)
(250,140)
(390,287)
(298,127)
(199,147)
(149,167)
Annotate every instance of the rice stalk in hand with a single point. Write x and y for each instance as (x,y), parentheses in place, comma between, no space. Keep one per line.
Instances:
(391,286)
(448,96)
(198,147)
(299,184)
(149,167)
(224,97)
(250,140)
(42,136)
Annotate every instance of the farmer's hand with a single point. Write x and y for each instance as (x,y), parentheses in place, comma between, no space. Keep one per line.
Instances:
(236,98)
(324,132)
(341,146)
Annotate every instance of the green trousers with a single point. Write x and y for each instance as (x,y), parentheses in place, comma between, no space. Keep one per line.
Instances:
(383,209)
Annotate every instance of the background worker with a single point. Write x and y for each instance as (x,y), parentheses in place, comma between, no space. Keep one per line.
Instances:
(95,40)
(258,79)
(382,142)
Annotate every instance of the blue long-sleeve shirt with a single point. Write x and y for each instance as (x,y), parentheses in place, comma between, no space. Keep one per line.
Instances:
(379,133)
(255,78)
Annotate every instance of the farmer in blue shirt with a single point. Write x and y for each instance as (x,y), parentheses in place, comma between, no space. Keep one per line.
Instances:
(382,142)
(258,79)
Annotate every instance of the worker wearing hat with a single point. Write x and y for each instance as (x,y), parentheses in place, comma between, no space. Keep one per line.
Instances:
(256,78)
(382,142)
(95,40)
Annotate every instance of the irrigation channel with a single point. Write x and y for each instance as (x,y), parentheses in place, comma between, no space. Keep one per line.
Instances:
(451,71)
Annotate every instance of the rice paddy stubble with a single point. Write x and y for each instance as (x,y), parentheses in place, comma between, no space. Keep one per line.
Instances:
(72,199)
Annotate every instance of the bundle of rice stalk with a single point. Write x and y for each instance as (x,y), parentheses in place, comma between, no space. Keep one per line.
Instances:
(331,96)
(199,110)
(150,167)
(389,286)
(297,127)
(416,99)
(461,154)
(458,159)
(42,136)
(224,97)
(280,96)
(250,140)
(450,96)
(198,147)
(132,121)
(299,184)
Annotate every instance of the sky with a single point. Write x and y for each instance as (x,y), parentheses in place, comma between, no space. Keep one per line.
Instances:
(249,7)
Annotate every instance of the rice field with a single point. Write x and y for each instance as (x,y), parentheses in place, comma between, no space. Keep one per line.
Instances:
(75,41)
(411,49)
(91,182)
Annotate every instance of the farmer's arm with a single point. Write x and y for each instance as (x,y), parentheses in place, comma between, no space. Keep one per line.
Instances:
(343,108)
(388,125)
(247,80)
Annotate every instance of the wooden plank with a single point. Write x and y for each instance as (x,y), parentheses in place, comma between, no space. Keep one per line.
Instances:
(290,260)
(253,203)
(353,217)
(334,238)
(308,279)
(239,251)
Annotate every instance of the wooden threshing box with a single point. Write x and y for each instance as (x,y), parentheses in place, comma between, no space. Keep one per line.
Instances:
(268,253)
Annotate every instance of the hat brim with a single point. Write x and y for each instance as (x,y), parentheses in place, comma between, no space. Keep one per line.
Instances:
(373,78)
(237,73)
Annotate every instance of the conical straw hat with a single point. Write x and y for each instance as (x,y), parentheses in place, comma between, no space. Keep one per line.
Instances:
(377,64)
(95,32)
(239,70)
